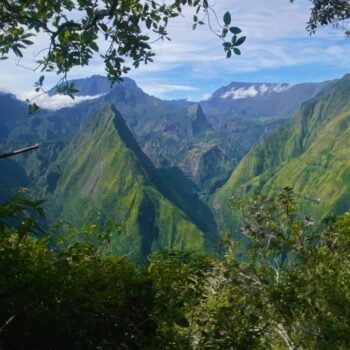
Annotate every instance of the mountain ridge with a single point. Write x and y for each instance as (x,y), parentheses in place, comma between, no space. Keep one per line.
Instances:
(109,173)
(308,154)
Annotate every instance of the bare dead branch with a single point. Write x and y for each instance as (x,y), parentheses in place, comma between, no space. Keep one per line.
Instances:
(19,151)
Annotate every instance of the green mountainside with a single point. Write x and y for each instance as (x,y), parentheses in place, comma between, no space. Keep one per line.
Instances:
(203,140)
(187,151)
(310,153)
(103,170)
(178,133)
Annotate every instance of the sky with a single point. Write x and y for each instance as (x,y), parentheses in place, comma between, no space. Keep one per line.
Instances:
(193,64)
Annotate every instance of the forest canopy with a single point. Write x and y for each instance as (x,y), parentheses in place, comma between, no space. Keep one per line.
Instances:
(290,291)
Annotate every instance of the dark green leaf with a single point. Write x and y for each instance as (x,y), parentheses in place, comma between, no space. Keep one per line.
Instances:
(227,18)
(240,41)
(235,30)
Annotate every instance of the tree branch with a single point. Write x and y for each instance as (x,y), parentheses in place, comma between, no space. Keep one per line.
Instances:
(283,334)
(19,151)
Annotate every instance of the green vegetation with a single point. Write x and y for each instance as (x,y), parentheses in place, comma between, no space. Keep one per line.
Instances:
(128,255)
(291,289)
(68,297)
(103,172)
(204,142)
(309,153)
(324,12)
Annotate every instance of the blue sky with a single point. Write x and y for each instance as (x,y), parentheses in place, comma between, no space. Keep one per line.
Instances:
(193,64)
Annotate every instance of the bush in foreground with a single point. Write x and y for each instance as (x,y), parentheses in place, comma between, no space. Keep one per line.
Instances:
(290,290)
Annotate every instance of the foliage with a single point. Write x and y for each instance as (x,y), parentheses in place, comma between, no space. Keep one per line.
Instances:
(329,12)
(74,27)
(68,298)
(291,291)
(178,281)
(22,211)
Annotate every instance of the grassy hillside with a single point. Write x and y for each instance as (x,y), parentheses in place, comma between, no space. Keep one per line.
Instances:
(103,172)
(310,154)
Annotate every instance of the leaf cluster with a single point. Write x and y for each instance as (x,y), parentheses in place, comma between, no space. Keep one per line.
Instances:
(74,28)
(329,12)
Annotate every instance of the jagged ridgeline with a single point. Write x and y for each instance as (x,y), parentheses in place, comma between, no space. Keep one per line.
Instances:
(103,170)
(194,148)
(311,153)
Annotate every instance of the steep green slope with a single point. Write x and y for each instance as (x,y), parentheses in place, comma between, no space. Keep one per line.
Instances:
(204,140)
(104,171)
(174,133)
(12,178)
(310,154)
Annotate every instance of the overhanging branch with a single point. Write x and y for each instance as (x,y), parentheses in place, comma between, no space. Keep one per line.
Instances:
(19,151)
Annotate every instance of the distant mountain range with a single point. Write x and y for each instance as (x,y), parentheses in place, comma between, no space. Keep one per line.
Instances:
(158,165)
(264,100)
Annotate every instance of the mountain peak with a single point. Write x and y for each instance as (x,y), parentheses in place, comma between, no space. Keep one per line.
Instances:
(259,100)
(105,171)
(200,122)
(97,85)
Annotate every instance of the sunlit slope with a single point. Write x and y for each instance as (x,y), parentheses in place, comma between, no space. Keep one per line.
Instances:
(104,171)
(311,154)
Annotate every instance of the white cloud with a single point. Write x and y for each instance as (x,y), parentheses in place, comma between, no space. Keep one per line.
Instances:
(207,97)
(54,102)
(263,88)
(276,39)
(161,89)
(241,93)
(255,90)
(281,87)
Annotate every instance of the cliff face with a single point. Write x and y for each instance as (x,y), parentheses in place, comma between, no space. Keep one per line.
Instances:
(207,165)
(200,122)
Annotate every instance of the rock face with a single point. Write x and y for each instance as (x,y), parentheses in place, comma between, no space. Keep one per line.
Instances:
(92,86)
(206,165)
(310,154)
(200,122)
(104,172)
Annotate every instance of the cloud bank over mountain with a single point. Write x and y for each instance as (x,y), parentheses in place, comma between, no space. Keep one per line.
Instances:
(54,102)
